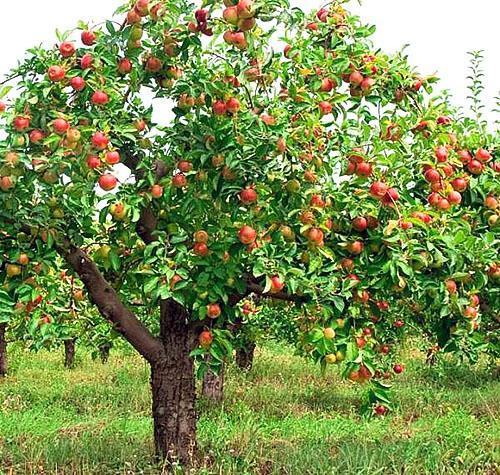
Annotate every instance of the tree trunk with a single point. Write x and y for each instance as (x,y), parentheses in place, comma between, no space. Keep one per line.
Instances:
(244,356)
(69,353)
(3,350)
(104,352)
(213,386)
(173,387)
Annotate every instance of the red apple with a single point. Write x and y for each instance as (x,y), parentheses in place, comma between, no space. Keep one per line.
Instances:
(78,83)
(219,108)
(99,98)
(56,73)
(88,37)
(247,235)
(124,66)
(378,189)
(356,78)
(153,65)
(464,156)
(200,249)
(276,285)
(233,105)
(444,204)
(245,9)
(100,141)
(483,155)
(213,310)
(107,182)
(67,49)
(248,196)
(205,339)
(316,236)
(367,84)
(230,14)
(475,167)
(93,161)
(327,85)
(36,136)
(142,7)
(364,169)
(432,175)
(157,191)
(355,247)
(390,197)
(451,286)
(133,17)
(459,184)
(441,153)
(61,126)
(360,224)
(398,369)
(325,108)
(112,157)
(179,180)
(491,202)
(443,120)
(470,312)
(454,197)
(87,61)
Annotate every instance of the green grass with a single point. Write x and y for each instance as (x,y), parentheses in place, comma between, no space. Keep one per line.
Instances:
(281,418)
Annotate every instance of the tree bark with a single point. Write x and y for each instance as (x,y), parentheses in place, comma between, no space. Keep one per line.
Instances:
(104,352)
(3,350)
(173,387)
(213,386)
(69,353)
(244,356)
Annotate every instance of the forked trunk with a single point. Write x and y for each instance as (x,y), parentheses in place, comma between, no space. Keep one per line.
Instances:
(213,386)
(3,350)
(244,356)
(173,387)
(104,352)
(69,353)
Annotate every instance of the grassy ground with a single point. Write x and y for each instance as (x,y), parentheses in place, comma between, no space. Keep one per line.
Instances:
(282,418)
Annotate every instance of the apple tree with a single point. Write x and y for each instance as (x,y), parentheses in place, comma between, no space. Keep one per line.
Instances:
(297,163)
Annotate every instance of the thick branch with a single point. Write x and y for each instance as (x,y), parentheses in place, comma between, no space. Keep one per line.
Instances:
(110,306)
(146,226)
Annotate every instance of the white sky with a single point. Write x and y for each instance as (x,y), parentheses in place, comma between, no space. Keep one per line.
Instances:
(440,32)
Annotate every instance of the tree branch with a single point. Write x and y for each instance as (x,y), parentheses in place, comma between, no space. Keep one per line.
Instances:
(110,305)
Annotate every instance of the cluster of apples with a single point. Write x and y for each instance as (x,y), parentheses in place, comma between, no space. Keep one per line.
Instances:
(201,15)
(223,107)
(241,15)
(200,247)
(142,9)
(444,195)
(358,165)
(101,152)
(360,84)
